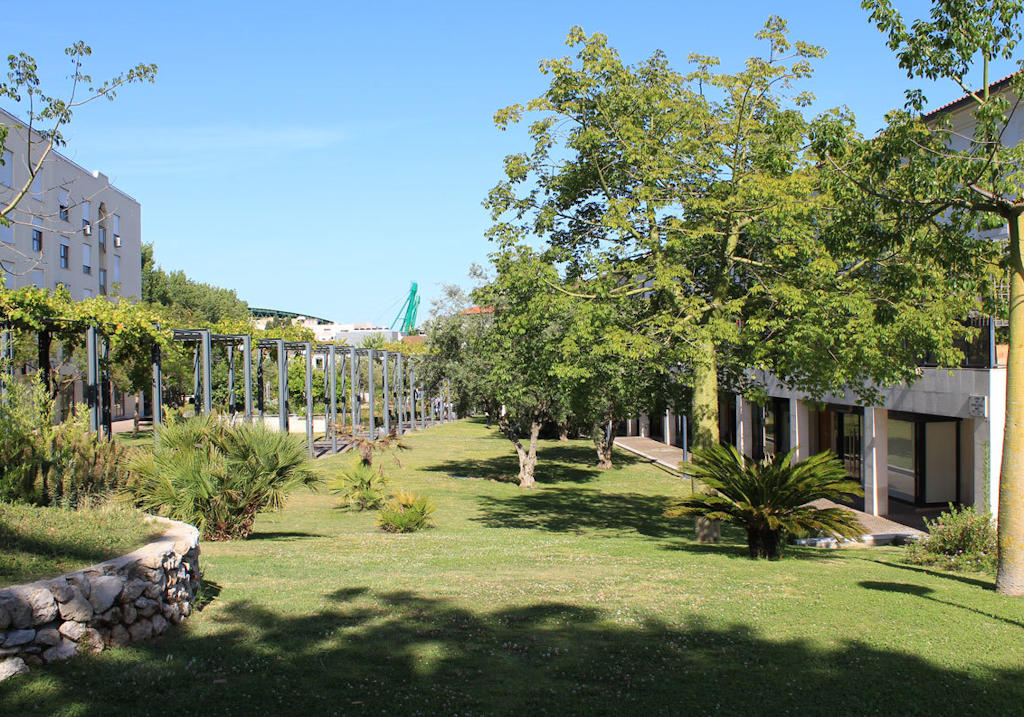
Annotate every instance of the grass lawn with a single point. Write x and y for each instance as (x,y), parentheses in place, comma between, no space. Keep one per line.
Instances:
(575,598)
(46,542)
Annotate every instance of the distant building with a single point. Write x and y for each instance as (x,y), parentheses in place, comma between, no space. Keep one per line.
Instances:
(324,330)
(73,227)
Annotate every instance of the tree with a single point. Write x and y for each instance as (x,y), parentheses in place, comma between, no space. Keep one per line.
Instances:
(771,499)
(49,114)
(924,177)
(695,195)
(518,349)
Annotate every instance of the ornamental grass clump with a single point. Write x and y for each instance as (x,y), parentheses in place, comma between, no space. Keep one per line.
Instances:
(959,539)
(361,487)
(405,513)
(217,476)
(770,498)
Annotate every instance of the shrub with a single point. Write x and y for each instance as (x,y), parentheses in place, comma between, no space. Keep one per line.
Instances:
(361,487)
(770,499)
(405,513)
(959,539)
(217,476)
(45,462)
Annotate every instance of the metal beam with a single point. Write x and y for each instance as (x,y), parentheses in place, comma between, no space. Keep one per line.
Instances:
(92,379)
(352,389)
(309,397)
(332,382)
(247,375)
(282,385)
(259,383)
(399,393)
(370,393)
(231,379)
(387,389)
(158,388)
(207,378)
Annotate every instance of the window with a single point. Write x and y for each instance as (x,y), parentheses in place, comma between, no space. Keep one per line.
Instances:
(86,221)
(103,281)
(103,238)
(86,259)
(7,234)
(65,254)
(37,234)
(64,202)
(117,269)
(37,278)
(7,170)
(117,230)
(86,293)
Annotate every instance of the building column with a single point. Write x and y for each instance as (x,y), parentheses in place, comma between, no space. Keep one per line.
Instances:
(644,426)
(744,426)
(799,429)
(670,428)
(876,460)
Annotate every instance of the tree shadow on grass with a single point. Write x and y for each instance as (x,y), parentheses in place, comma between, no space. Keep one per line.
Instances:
(927,593)
(987,584)
(556,463)
(373,652)
(580,510)
(282,535)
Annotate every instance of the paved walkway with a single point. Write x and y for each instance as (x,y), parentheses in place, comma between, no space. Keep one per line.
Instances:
(878,530)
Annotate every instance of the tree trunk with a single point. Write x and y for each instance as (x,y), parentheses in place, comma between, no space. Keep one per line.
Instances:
(44,340)
(705,427)
(1010,576)
(528,459)
(604,441)
(563,431)
(764,543)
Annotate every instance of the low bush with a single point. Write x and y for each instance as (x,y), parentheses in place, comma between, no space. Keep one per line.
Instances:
(46,462)
(405,513)
(361,487)
(217,476)
(959,539)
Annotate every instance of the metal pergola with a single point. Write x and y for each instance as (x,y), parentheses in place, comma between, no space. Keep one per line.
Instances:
(404,402)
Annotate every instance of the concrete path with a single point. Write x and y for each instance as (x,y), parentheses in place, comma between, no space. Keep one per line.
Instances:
(878,530)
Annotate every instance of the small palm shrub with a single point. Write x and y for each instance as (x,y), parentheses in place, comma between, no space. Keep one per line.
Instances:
(770,499)
(217,476)
(959,539)
(361,487)
(405,513)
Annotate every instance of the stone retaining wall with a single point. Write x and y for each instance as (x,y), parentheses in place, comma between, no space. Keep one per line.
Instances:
(127,599)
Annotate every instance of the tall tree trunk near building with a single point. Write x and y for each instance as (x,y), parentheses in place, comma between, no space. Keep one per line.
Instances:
(604,441)
(44,341)
(705,433)
(1010,576)
(705,399)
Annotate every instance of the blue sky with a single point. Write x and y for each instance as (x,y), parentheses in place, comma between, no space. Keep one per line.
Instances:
(317,157)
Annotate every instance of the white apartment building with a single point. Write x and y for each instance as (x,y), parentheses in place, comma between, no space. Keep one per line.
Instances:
(73,228)
(934,442)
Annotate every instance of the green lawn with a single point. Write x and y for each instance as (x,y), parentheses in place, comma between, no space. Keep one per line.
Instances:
(576,598)
(46,542)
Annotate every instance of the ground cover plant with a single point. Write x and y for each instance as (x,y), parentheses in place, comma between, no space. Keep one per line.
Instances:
(578,597)
(39,542)
(959,539)
(218,476)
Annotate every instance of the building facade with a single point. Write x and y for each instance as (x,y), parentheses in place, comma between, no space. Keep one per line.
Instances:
(72,228)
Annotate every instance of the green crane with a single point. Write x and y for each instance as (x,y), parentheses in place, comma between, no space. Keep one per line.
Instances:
(406,318)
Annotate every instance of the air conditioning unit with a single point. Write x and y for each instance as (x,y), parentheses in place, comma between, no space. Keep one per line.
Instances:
(117,240)
(87,230)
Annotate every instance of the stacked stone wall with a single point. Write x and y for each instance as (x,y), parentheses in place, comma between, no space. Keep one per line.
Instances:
(127,599)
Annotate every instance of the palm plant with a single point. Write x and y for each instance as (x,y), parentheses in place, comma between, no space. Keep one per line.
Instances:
(361,486)
(218,477)
(771,499)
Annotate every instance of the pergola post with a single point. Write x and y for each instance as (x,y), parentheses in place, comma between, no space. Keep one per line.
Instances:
(332,380)
(309,397)
(341,371)
(352,390)
(105,388)
(195,378)
(259,383)
(247,375)
(399,393)
(158,388)
(231,379)
(207,378)
(92,379)
(282,386)
(372,425)
(387,388)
